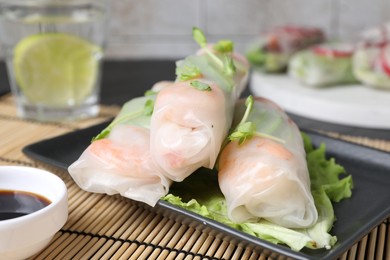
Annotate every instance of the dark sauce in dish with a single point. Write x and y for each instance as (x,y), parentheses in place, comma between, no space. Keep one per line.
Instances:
(15,203)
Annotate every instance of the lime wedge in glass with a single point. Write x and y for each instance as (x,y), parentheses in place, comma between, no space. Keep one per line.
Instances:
(56,69)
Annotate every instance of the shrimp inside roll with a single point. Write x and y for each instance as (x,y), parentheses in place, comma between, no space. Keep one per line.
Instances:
(266,176)
(187,128)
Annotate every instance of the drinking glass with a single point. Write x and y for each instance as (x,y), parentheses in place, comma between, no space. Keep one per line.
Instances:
(53,51)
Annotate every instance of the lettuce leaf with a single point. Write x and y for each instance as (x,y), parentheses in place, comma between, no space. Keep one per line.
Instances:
(200,193)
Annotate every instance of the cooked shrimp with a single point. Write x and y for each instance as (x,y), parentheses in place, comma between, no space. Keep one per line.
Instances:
(187,128)
(265,178)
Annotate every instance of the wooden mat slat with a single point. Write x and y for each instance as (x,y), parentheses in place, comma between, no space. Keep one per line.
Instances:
(214,246)
(206,244)
(69,250)
(93,245)
(351,254)
(192,241)
(101,251)
(200,241)
(153,255)
(219,251)
(387,242)
(115,251)
(362,248)
(374,143)
(75,247)
(229,251)
(379,251)
(53,245)
(237,252)
(111,227)
(144,250)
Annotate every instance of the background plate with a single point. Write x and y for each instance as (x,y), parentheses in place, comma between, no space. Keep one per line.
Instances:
(352,105)
(356,217)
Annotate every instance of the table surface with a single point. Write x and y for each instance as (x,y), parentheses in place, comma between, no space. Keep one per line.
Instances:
(102,226)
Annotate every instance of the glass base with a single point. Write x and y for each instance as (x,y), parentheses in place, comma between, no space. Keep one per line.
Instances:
(50,114)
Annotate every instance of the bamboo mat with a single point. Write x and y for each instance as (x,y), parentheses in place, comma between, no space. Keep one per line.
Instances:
(111,227)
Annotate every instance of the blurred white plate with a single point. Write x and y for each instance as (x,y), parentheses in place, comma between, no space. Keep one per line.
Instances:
(352,105)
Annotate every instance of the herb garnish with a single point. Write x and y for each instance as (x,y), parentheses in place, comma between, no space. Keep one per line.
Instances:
(150,93)
(225,47)
(246,130)
(148,107)
(200,85)
(124,118)
(187,71)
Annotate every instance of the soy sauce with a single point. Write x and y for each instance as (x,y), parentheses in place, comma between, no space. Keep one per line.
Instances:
(14,203)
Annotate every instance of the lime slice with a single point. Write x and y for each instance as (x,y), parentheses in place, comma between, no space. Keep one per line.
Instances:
(56,69)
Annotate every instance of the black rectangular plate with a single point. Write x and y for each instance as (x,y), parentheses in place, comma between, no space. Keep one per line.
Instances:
(356,217)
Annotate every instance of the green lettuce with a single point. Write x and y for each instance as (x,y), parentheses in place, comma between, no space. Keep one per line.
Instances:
(200,193)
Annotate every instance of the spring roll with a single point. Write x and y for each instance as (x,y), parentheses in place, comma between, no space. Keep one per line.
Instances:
(192,118)
(371,61)
(264,174)
(118,161)
(240,77)
(323,65)
(271,52)
(188,127)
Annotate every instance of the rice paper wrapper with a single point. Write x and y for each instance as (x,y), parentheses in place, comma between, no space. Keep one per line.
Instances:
(188,124)
(265,178)
(188,127)
(121,164)
(118,161)
(315,70)
(272,51)
(371,65)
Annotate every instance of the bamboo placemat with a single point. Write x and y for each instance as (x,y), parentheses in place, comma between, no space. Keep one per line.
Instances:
(111,227)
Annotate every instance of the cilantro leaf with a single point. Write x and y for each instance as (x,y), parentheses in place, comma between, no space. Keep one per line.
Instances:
(200,85)
(247,129)
(136,111)
(224,60)
(199,37)
(229,68)
(150,93)
(243,132)
(187,71)
(148,107)
(224,46)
